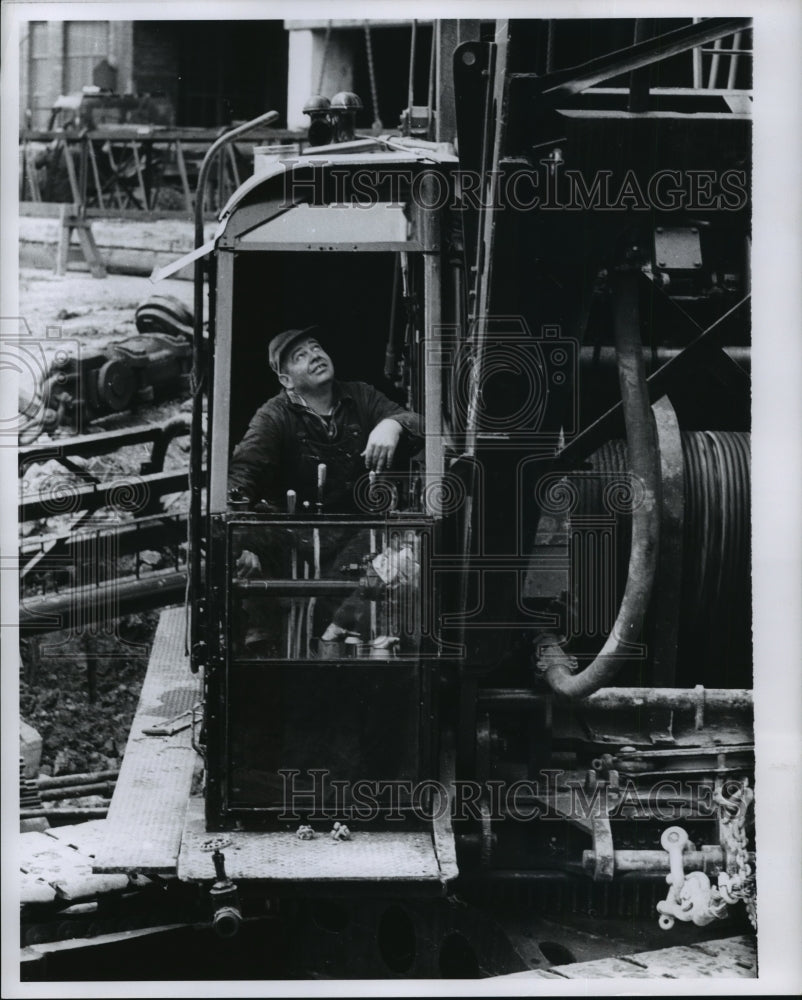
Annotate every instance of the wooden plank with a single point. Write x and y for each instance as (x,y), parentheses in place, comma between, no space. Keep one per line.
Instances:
(47,862)
(729,958)
(90,251)
(146,815)
(63,248)
(35,889)
(69,222)
(35,952)
(83,837)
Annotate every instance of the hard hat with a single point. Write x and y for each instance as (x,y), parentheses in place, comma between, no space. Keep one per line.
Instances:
(316,105)
(346,100)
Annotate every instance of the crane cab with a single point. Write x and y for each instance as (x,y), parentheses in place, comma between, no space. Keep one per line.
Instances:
(300,728)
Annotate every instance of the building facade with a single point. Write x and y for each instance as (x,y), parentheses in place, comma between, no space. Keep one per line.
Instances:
(216,72)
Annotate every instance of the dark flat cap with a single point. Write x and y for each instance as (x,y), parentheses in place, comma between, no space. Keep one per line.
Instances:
(283,341)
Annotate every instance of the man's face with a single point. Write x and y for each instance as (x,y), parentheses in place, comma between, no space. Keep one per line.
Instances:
(306,367)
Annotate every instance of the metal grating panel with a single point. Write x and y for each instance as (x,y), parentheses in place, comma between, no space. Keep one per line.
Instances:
(282,856)
(146,815)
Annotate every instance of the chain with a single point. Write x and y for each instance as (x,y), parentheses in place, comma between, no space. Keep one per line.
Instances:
(324,59)
(738,882)
(374,95)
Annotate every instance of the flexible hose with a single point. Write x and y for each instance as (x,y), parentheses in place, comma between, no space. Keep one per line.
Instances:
(645,467)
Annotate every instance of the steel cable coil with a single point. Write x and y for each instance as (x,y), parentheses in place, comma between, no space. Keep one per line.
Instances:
(715,602)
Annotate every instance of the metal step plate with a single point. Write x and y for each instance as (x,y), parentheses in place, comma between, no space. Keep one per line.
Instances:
(367,856)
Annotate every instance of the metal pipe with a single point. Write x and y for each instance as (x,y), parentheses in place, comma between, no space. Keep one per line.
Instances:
(714,61)
(645,466)
(103,788)
(373,609)
(703,347)
(603,358)
(513,875)
(389,353)
(639,79)
(658,862)
(291,501)
(734,59)
(696,55)
(68,780)
(411,89)
(310,610)
(299,620)
(196,431)
(226,921)
(432,71)
(578,78)
(100,603)
(67,814)
(518,699)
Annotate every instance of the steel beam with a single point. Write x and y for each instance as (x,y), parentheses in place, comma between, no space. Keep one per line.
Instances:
(93,496)
(578,78)
(705,346)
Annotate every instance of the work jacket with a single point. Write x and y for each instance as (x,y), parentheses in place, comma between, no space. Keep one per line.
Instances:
(286,441)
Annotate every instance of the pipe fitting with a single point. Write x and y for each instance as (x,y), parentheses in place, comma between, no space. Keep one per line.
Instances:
(227,921)
(226,916)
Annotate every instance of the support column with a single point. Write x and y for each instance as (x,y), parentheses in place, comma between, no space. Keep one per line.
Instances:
(448,35)
(25,96)
(55,58)
(306,53)
(121,54)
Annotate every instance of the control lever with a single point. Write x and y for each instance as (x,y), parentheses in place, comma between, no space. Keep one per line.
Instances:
(321,485)
(294,606)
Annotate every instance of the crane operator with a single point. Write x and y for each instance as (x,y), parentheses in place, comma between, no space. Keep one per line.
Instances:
(349,427)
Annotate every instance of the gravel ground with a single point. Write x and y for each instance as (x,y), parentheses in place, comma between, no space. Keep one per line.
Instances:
(80,734)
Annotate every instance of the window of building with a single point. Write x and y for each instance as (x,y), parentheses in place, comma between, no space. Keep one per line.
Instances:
(39,81)
(86,43)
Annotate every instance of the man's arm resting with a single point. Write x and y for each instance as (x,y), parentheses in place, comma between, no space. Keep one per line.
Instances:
(379,408)
(382,442)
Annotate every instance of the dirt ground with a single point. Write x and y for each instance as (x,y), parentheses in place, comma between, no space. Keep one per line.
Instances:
(82,733)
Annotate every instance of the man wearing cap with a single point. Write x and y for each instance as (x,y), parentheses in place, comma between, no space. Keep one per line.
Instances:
(351,427)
